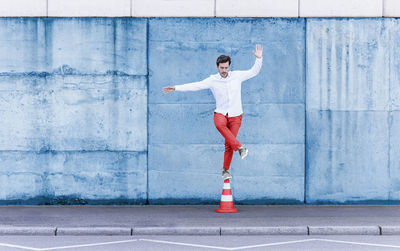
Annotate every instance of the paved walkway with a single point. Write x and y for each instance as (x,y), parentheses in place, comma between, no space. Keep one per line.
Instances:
(200,220)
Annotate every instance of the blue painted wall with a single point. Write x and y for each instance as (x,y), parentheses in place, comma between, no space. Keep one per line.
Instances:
(74,110)
(84,120)
(352,110)
(186,150)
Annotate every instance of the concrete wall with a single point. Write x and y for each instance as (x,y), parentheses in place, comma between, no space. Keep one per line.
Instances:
(183,141)
(352,110)
(85,121)
(200,8)
(73,106)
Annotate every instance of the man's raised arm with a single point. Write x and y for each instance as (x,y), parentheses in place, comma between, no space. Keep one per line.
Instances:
(256,67)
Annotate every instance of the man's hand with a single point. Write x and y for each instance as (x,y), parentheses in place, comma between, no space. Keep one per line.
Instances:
(258,52)
(168,89)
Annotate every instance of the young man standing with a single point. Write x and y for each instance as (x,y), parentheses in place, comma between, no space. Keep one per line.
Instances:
(226,88)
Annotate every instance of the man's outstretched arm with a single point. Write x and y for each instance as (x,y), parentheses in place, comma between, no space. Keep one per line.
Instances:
(256,67)
(196,86)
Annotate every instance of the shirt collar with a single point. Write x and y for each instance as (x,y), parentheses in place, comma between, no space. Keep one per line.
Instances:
(221,78)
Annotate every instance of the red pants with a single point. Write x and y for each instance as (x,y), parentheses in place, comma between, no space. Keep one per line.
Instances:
(229,128)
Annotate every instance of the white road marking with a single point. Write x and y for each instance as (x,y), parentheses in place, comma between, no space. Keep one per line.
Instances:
(185,244)
(273,244)
(90,245)
(17,246)
(66,247)
(269,244)
(226,248)
(360,243)
(199,245)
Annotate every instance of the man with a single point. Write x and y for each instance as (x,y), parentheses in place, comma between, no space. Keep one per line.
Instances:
(226,88)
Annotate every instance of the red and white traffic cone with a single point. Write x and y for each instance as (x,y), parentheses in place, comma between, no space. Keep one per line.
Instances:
(226,205)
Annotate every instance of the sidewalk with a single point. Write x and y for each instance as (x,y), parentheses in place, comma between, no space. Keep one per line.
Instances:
(199,220)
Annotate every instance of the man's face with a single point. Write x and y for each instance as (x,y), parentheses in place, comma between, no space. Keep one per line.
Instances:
(223,69)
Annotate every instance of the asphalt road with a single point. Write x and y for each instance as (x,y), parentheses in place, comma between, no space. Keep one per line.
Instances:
(122,243)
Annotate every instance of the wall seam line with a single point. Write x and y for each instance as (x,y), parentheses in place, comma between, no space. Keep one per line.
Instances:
(148,91)
(305,110)
(47,8)
(215,8)
(390,113)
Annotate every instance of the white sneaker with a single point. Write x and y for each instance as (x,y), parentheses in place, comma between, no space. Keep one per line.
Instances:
(225,174)
(243,152)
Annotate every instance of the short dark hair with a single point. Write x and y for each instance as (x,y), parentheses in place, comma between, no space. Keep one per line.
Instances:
(223,59)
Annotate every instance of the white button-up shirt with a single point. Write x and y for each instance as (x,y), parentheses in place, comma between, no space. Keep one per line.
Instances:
(226,91)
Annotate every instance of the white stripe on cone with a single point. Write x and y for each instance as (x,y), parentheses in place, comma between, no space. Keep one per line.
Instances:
(226,198)
(227,185)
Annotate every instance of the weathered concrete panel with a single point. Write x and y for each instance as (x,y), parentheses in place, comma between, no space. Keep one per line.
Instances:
(73,45)
(182,124)
(269,160)
(23,45)
(347,156)
(263,159)
(73,113)
(393,25)
(79,176)
(19,185)
(347,64)
(194,124)
(273,124)
(169,188)
(394,115)
(352,101)
(279,169)
(98,45)
(185,50)
(192,158)
(268,190)
(394,171)
(269,174)
(187,173)
(74,127)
